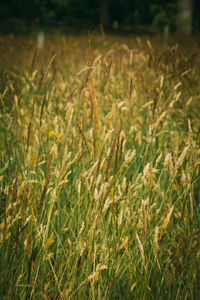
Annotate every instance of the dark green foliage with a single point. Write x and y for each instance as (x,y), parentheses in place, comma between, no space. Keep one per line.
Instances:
(20,15)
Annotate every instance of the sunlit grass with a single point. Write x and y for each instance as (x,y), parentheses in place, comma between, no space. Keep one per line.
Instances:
(99,172)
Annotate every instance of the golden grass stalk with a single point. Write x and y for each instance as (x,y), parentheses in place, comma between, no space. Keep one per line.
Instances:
(109,118)
(46,183)
(20,190)
(141,250)
(180,160)
(117,153)
(121,148)
(156,238)
(68,120)
(33,159)
(68,114)
(98,164)
(192,143)
(160,119)
(128,159)
(144,216)
(49,242)
(167,218)
(47,70)
(42,109)
(96,114)
(108,190)
(4,93)
(95,275)
(149,117)
(150,186)
(84,83)
(65,158)
(107,77)
(165,223)
(158,159)
(110,156)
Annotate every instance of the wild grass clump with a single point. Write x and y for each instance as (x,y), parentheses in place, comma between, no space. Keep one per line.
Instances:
(99,174)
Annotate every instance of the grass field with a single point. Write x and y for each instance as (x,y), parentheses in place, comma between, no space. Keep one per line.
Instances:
(99,168)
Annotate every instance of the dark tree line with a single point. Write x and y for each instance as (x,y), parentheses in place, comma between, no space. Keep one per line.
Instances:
(178,14)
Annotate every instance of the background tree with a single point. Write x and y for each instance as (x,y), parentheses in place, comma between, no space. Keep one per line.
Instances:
(163,14)
(105,12)
(184,20)
(157,13)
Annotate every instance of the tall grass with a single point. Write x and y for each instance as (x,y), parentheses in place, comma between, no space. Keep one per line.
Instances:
(99,174)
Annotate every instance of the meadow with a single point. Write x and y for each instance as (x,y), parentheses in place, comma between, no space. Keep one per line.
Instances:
(99,168)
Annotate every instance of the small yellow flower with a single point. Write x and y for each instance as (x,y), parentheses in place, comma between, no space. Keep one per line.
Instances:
(52,134)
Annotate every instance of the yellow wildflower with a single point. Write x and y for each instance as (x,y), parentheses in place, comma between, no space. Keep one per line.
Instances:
(52,133)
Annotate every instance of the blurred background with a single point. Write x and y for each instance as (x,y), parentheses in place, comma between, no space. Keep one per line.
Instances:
(22,16)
